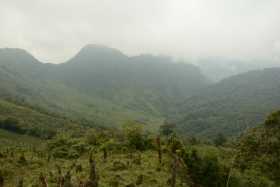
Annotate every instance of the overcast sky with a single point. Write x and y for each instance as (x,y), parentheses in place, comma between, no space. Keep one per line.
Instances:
(54,30)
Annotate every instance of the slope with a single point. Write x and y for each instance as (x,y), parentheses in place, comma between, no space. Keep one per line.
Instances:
(99,84)
(22,119)
(232,105)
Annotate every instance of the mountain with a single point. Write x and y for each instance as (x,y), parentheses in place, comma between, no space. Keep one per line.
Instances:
(146,82)
(100,84)
(218,68)
(232,105)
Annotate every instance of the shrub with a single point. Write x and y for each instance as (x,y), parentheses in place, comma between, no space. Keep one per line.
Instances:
(66,147)
(136,139)
(206,170)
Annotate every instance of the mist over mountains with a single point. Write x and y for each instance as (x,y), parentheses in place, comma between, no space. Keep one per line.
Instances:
(99,82)
(123,109)
(218,68)
(166,93)
(103,85)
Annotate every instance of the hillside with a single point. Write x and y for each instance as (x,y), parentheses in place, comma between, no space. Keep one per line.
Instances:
(21,119)
(232,105)
(258,150)
(100,84)
(133,157)
(146,83)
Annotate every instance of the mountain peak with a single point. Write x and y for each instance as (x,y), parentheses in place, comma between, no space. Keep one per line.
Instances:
(96,46)
(14,51)
(93,53)
(100,50)
(14,54)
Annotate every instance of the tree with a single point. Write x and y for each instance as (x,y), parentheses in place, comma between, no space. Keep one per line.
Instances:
(220,140)
(11,124)
(158,142)
(259,149)
(1,180)
(205,170)
(167,129)
(135,136)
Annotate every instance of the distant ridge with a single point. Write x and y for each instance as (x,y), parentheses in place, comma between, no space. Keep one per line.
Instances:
(232,105)
(100,84)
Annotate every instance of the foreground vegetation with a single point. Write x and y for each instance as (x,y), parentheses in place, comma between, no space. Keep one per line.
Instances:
(133,157)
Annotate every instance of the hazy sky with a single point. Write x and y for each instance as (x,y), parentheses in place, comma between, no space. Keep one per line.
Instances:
(54,30)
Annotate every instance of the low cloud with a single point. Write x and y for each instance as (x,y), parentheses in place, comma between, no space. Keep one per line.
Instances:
(54,30)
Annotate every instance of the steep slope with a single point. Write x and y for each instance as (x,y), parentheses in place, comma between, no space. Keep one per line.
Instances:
(24,78)
(258,149)
(146,83)
(18,72)
(231,105)
(99,84)
(20,118)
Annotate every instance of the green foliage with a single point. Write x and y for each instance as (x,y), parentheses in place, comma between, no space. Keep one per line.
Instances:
(127,168)
(259,150)
(250,178)
(97,136)
(66,147)
(22,119)
(198,165)
(136,137)
(273,119)
(174,143)
(220,140)
(167,129)
(205,170)
(231,105)
(11,124)
(99,84)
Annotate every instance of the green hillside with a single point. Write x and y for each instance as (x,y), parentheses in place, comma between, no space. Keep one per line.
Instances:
(133,157)
(99,84)
(144,83)
(259,149)
(232,105)
(30,155)
(25,120)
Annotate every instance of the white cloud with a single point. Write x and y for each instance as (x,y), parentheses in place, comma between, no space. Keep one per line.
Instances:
(54,30)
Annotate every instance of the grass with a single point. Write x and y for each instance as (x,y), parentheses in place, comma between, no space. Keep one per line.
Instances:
(122,168)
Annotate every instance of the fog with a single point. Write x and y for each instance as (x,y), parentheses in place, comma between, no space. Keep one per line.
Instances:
(54,30)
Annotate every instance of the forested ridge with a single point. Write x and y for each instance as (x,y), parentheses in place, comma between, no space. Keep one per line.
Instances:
(99,82)
(230,106)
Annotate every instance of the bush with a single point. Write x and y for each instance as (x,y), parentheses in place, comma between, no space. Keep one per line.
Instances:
(11,124)
(220,140)
(66,147)
(167,129)
(250,178)
(135,137)
(205,171)
(174,143)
